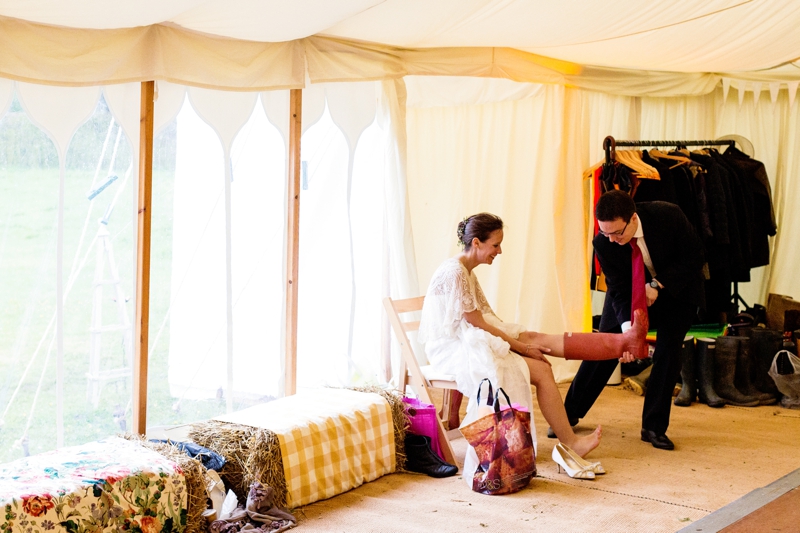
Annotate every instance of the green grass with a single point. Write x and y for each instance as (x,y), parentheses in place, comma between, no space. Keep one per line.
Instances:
(29,199)
(28,296)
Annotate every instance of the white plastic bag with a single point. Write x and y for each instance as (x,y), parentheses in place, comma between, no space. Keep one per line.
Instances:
(229,505)
(476,408)
(788,384)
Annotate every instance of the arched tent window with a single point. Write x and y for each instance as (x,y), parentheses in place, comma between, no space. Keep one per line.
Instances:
(218,252)
(68,249)
(342,237)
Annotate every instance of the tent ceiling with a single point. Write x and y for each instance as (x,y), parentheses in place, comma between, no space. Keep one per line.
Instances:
(681,35)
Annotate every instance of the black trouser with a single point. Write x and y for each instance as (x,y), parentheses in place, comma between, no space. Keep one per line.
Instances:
(672,319)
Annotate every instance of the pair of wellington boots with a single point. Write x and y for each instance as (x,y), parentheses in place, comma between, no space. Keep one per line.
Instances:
(735,372)
(601,346)
(764,344)
(689,378)
(697,373)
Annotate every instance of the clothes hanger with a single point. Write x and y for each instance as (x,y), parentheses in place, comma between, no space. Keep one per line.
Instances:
(633,160)
(589,172)
(658,154)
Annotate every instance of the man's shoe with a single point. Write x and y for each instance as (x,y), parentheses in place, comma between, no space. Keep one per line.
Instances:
(572,422)
(661,442)
(421,458)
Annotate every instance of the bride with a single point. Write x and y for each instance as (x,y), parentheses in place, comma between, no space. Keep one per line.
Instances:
(463,337)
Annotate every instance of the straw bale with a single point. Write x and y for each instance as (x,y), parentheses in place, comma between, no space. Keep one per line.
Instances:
(399,417)
(193,471)
(251,454)
(254,454)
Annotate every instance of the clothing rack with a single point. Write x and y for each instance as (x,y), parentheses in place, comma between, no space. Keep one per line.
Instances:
(610,144)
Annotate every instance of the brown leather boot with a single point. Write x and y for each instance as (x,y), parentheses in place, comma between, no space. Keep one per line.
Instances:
(600,346)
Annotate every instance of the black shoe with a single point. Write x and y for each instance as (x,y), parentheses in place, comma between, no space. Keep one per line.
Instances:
(661,442)
(421,458)
(572,422)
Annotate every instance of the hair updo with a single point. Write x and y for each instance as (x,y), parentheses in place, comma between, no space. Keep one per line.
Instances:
(481,226)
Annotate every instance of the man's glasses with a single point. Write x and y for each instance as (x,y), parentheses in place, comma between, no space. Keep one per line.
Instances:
(615,233)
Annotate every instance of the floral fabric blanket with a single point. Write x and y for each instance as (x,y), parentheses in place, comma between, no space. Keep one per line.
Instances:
(111,484)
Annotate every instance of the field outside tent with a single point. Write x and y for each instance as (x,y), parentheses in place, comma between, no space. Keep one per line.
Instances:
(29,176)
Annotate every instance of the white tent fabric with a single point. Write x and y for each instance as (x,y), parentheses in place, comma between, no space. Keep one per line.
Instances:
(508,101)
(622,47)
(519,159)
(682,36)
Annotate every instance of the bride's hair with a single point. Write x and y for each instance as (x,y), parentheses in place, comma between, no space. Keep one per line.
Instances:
(481,226)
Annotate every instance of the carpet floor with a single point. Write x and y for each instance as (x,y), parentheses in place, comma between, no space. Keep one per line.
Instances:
(720,455)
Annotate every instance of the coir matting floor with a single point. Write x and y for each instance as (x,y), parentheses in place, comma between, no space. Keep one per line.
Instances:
(775,507)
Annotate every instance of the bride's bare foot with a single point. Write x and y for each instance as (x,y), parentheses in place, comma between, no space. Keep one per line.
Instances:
(636,337)
(584,445)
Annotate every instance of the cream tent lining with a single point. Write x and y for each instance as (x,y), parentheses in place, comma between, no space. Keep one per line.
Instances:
(53,55)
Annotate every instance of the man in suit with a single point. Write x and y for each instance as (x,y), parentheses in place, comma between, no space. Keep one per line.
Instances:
(673,259)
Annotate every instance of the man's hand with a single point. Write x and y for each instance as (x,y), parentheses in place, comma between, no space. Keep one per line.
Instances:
(651,295)
(535,351)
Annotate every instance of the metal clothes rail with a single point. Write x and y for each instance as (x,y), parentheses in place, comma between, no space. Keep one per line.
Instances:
(610,144)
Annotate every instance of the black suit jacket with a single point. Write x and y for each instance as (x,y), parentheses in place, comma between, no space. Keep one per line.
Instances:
(676,252)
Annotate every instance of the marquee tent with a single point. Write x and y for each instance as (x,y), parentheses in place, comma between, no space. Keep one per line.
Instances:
(414,115)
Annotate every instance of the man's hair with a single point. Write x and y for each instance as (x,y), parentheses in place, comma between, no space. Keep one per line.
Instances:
(613,205)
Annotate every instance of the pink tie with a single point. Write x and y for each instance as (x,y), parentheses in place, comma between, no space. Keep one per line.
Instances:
(638,296)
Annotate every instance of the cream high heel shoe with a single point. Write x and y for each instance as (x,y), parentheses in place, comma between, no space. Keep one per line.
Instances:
(595,467)
(564,460)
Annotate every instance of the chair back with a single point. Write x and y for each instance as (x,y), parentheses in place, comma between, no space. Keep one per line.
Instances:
(409,365)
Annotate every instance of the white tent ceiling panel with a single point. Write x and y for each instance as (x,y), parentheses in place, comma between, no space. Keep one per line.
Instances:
(684,36)
(269,20)
(638,47)
(96,14)
(748,35)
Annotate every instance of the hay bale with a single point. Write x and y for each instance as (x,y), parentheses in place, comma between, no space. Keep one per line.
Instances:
(195,474)
(251,454)
(399,417)
(254,454)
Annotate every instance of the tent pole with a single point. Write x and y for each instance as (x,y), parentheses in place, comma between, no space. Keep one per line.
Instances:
(292,240)
(142,323)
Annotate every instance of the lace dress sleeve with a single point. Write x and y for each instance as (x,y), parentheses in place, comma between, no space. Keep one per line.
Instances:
(450,295)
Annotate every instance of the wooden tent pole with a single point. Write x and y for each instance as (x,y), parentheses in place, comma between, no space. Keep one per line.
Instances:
(292,239)
(142,323)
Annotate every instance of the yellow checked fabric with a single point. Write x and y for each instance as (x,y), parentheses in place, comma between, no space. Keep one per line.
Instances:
(332,440)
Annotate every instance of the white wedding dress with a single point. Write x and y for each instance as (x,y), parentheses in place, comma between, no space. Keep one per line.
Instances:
(470,354)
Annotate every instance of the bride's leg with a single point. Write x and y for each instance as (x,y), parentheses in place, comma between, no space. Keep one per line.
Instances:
(552,407)
(554,342)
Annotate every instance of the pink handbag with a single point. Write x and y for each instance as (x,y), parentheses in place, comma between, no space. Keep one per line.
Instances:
(422,421)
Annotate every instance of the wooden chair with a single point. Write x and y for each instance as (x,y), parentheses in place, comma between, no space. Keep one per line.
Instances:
(422,378)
